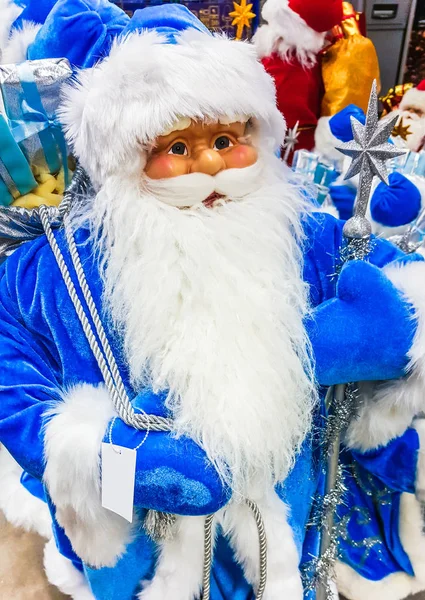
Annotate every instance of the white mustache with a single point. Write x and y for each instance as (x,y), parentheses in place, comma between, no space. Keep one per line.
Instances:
(192,189)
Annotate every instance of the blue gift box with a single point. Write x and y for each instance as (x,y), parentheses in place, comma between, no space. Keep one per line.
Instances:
(30,134)
(214,14)
(314,173)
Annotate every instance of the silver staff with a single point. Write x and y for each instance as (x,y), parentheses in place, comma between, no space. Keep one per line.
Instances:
(369,151)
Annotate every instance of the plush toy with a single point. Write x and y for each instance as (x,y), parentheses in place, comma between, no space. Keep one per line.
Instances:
(209,290)
(289,45)
(315,78)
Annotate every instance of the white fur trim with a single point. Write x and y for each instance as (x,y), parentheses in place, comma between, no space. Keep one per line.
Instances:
(388,408)
(283,576)
(19,506)
(355,587)
(179,568)
(19,41)
(201,77)
(62,574)
(413,98)
(326,142)
(287,34)
(9,11)
(73,437)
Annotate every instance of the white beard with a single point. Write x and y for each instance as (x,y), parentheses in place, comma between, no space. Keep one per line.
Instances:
(210,304)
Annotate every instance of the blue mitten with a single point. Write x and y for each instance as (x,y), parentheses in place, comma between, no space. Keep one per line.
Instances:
(365,332)
(340,124)
(172,474)
(396,204)
(80,30)
(343,196)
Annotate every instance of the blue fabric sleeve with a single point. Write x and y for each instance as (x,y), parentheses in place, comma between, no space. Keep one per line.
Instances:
(352,338)
(27,380)
(323,243)
(393,464)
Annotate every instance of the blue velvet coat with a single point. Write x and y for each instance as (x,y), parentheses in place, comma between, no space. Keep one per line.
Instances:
(43,350)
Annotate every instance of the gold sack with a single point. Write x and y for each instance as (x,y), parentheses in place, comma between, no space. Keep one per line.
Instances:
(349,67)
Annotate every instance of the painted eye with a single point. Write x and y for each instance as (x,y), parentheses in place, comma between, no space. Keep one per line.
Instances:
(222,142)
(178,148)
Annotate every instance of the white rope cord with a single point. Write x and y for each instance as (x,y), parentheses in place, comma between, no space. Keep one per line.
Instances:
(208,552)
(263,547)
(122,405)
(154,422)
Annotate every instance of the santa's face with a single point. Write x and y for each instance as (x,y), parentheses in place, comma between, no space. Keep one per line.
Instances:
(194,156)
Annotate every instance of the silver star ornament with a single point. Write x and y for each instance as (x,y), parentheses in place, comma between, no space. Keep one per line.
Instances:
(291,139)
(369,151)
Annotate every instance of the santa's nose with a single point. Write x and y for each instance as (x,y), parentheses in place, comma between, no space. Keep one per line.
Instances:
(208,161)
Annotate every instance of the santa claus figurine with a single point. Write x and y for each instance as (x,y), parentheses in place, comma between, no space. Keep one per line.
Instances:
(289,46)
(182,289)
(315,76)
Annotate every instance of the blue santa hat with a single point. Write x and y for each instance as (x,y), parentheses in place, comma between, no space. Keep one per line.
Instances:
(164,70)
(80,30)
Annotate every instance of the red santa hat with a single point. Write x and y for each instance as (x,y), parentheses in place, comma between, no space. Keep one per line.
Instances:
(414,98)
(297,27)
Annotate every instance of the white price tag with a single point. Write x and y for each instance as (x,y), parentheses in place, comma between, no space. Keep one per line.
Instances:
(118,475)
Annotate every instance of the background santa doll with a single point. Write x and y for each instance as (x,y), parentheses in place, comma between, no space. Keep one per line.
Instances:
(315,75)
(412,115)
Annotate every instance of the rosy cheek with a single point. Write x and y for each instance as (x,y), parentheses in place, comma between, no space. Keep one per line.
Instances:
(165,166)
(240,156)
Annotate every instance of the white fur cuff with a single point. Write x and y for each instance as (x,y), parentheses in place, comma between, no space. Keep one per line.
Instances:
(325,141)
(73,438)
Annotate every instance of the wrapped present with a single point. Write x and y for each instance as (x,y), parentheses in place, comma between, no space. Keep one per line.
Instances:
(16,177)
(411,163)
(316,174)
(30,93)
